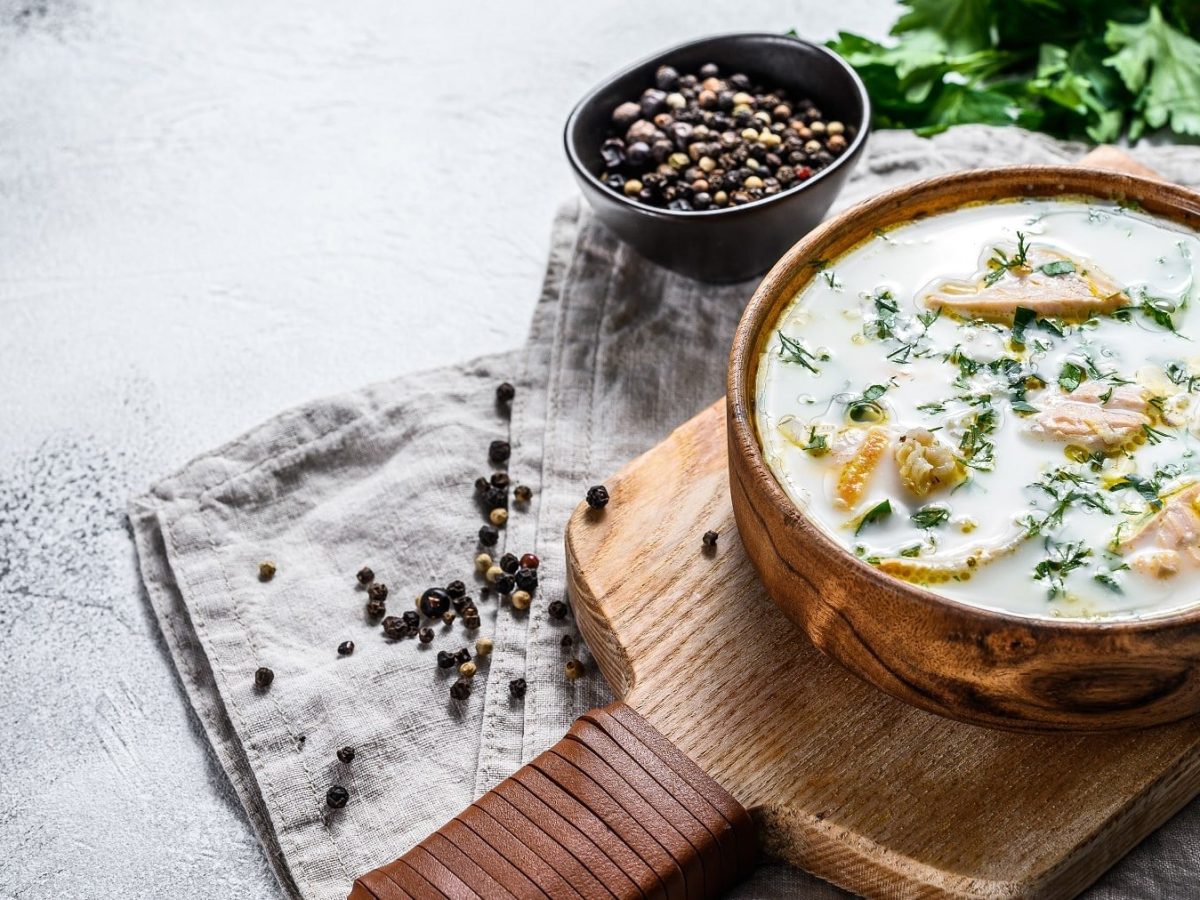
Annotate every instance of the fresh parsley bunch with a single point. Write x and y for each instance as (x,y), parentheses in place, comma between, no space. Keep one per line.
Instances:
(1100,68)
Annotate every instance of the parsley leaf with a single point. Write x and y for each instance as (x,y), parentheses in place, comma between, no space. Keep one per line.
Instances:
(1071,376)
(1066,67)
(876,513)
(1160,65)
(817,444)
(1023,317)
(1057,267)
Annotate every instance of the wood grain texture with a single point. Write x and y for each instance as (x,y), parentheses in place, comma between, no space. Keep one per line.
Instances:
(982,666)
(873,794)
(613,811)
(868,792)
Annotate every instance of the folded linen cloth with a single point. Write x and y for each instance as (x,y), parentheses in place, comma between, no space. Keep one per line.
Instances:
(619,353)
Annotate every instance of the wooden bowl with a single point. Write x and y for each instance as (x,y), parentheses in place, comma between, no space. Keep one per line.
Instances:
(989,668)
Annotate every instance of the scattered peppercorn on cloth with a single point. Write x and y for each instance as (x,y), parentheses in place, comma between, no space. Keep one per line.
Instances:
(619,353)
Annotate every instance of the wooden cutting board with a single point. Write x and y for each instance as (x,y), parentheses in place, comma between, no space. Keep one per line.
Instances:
(854,786)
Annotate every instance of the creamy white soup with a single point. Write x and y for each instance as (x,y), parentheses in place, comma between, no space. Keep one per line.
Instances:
(1002,404)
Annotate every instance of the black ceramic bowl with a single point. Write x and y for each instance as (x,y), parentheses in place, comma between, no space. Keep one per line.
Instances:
(738,242)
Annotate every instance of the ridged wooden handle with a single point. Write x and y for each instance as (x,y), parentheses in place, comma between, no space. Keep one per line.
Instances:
(613,810)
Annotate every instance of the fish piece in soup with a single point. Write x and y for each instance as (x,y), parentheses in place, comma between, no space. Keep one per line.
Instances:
(925,463)
(1050,283)
(856,473)
(1169,539)
(1095,416)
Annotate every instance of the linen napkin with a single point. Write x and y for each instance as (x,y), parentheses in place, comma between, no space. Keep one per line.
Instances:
(619,353)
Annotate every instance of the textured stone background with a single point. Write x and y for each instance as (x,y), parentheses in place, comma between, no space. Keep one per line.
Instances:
(210,211)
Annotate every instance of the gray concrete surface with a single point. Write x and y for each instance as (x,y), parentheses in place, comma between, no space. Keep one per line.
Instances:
(210,211)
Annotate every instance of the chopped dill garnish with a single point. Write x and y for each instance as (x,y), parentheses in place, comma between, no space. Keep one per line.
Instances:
(1002,262)
(1148,488)
(1154,436)
(1065,488)
(791,350)
(977,451)
(1178,373)
(1106,578)
(1061,559)
(1159,310)
(930,516)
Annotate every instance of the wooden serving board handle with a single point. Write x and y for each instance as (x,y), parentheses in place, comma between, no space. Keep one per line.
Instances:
(613,809)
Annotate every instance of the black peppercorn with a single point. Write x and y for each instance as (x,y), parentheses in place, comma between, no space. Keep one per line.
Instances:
(395,628)
(527,579)
(505,392)
(345,648)
(500,480)
(425,635)
(517,687)
(263,678)
(445,659)
(710,539)
(505,584)
(462,656)
(666,78)
(411,619)
(488,535)
(460,690)
(612,151)
(509,563)
(626,114)
(499,451)
(709,70)
(652,101)
(460,603)
(557,609)
(376,608)
(456,589)
(448,617)
(434,602)
(337,796)
(522,493)
(471,623)
(378,591)
(638,153)
(346,755)
(481,485)
(567,642)
(597,496)
(365,575)
(495,498)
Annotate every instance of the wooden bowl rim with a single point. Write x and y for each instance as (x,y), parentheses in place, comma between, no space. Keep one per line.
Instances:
(793,271)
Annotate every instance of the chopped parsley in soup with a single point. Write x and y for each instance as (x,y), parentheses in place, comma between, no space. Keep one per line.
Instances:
(1002,404)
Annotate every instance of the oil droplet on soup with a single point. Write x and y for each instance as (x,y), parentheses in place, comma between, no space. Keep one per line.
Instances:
(1001,403)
